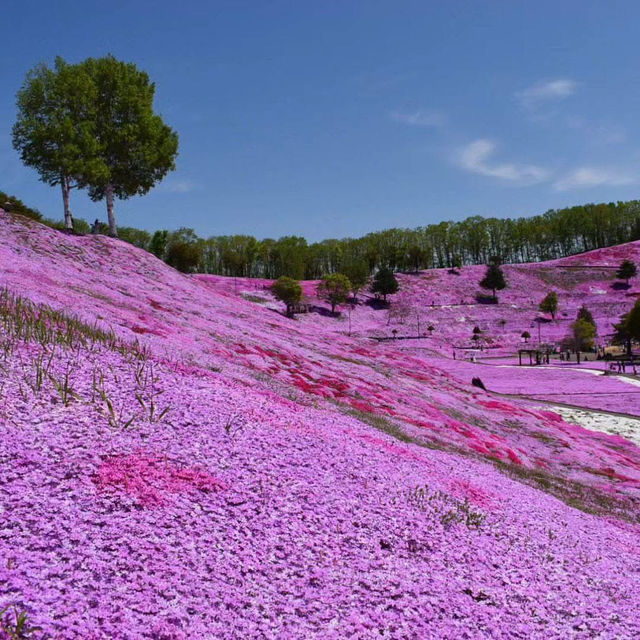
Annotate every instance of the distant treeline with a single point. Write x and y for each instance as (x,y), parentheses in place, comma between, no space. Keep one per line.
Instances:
(554,234)
(475,240)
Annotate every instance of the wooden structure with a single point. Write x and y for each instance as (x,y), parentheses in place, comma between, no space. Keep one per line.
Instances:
(541,356)
(299,307)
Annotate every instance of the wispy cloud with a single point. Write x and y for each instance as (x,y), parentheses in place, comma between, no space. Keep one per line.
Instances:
(420,118)
(476,157)
(585,177)
(178,186)
(547,91)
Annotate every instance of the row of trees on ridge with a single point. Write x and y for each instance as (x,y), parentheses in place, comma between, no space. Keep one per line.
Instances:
(555,234)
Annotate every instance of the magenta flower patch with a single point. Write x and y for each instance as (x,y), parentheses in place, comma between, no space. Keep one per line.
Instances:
(151,479)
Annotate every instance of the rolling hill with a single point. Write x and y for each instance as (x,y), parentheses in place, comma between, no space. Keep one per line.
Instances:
(179,460)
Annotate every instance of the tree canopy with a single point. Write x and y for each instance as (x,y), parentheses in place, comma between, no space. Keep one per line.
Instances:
(92,125)
(627,270)
(334,288)
(628,329)
(358,274)
(583,333)
(586,315)
(287,290)
(55,130)
(384,283)
(135,148)
(549,304)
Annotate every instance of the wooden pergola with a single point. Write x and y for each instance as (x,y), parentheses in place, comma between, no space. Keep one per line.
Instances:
(541,356)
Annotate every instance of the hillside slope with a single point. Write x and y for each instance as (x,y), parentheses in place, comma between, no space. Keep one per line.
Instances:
(256,498)
(436,312)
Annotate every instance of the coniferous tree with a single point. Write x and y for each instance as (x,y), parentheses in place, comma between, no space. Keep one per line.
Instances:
(493,279)
(384,283)
(586,315)
(628,329)
(627,270)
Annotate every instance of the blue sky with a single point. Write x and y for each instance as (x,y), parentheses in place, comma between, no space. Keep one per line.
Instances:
(336,118)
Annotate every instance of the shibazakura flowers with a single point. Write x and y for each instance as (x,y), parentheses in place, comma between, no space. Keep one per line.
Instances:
(188,486)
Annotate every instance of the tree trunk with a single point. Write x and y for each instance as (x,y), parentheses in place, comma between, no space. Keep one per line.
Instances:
(68,218)
(112,221)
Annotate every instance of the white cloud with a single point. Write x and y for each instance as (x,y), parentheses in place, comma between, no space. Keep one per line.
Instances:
(420,118)
(550,90)
(585,177)
(476,157)
(178,186)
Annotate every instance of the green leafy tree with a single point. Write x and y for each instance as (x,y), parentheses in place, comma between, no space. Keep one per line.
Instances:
(183,256)
(335,289)
(633,321)
(525,335)
(586,315)
(287,290)
(137,237)
(549,304)
(417,256)
(158,244)
(55,129)
(358,274)
(234,262)
(583,334)
(290,255)
(628,329)
(627,270)
(184,250)
(493,278)
(135,148)
(384,283)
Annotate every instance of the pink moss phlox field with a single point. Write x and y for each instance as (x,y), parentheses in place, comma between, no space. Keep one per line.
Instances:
(267,501)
